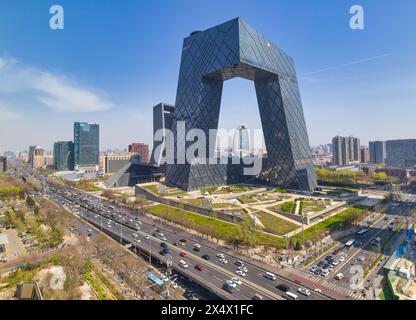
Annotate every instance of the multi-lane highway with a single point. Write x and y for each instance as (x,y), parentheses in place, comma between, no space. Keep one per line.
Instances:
(147,234)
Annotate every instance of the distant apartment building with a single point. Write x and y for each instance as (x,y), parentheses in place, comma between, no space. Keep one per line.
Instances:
(23,156)
(401,153)
(10,155)
(3,164)
(364,154)
(86,146)
(377,152)
(345,150)
(113,162)
(30,154)
(38,157)
(141,149)
(63,156)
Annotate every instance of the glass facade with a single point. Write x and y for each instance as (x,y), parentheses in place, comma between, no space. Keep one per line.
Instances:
(86,144)
(377,150)
(401,153)
(63,155)
(234,49)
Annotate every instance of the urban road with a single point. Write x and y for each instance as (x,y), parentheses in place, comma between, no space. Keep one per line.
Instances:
(108,217)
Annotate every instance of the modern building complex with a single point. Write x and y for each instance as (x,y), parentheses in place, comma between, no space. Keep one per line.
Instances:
(401,153)
(63,155)
(210,57)
(163,117)
(377,152)
(86,146)
(113,162)
(141,149)
(3,164)
(346,150)
(364,154)
(241,142)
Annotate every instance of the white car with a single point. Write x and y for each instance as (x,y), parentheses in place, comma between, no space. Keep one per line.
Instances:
(339,276)
(325,273)
(138,240)
(240,273)
(236,280)
(335,262)
(244,269)
(304,291)
(197,245)
(165,239)
(164,278)
(146,237)
(317,290)
(361,258)
(231,283)
(135,235)
(341,258)
(223,261)
(220,255)
(183,264)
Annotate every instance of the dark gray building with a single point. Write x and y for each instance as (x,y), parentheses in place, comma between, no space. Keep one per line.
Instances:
(234,49)
(3,164)
(30,154)
(377,152)
(86,144)
(162,120)
(401,153)
(345,150)
(63,155)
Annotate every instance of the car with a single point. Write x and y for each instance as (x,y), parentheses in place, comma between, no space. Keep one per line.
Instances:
(335,252)
(182,242)
(335,262)
(331,268)
(197,249)
(176,244)
(241,273)
(164,278)
(341,258)
(147,237)
(220,255)
(361,258)
(329,258)
(183,254)
(304,291)
(339,276)
(321,264)
(313,268)
(242,268)
(239,263)
(317,271)
(164,239)
(138,240)
(163,244)
(257,297)
(236,280)
(325,273)
(197,245)
(283,288)
(317,290)
(223,261)
(386,218)
(231,283)
(183,264)
(205,257)
(89,230)
(199,267)
(135,235)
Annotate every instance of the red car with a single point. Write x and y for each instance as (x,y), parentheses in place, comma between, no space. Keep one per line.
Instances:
(335,252)
(183,254)
(199,267)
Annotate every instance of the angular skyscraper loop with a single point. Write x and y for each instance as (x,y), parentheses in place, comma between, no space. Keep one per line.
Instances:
(234,49)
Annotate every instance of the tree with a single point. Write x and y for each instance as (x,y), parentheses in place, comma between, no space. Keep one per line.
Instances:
(298,246)
(30,202)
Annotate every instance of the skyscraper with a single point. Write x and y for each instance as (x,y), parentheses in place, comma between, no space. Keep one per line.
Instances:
(345,150)
(241,142)
(235,49)
(364,154)
(3,164)
(86,146)
(30,154)
(401,153)
(377,151)
(63,155)
(163,115)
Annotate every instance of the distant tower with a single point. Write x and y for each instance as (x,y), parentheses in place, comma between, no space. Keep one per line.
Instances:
(162,120)
(241,142)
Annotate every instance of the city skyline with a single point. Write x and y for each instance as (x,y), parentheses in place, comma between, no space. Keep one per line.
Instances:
(59,81)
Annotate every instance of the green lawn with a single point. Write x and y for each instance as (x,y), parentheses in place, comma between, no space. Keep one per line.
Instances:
(169,191)
(221,205)
(246,199)
(288,206)
(215,227)
(312,205)
(343,218)
(275,224)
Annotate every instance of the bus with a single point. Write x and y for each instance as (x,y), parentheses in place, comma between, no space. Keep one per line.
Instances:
(270,276)
(362,231)
(350,244)
(291,295)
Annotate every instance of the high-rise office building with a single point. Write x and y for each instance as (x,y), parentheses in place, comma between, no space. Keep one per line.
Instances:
(141,149)
(114,162)
(235,49)
(401,153)
(364,154)
(30,154)
(3,164)
(345,150)
(63,155)
(163,115)
(377,151)
(86,146)
(241,141)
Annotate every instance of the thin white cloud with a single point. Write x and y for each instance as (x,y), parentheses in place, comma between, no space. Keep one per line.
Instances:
(55,91)
(7,114)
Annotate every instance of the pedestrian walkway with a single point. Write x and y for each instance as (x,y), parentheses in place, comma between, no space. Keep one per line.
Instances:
(343,292)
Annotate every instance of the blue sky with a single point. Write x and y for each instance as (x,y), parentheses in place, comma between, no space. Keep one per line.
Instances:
(116,59)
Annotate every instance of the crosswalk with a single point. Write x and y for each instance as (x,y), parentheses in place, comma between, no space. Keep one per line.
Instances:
(322,282)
